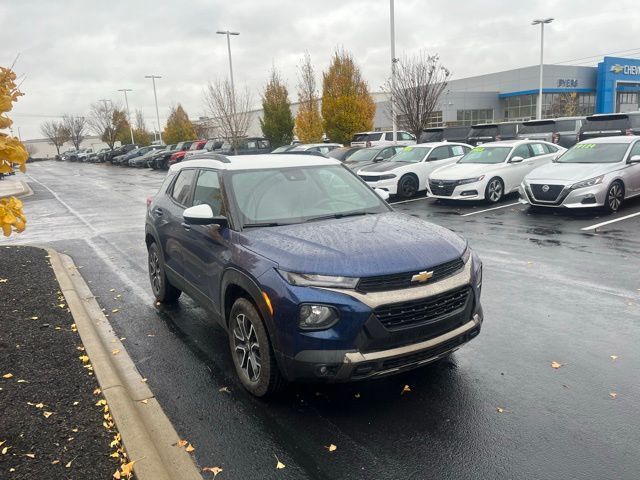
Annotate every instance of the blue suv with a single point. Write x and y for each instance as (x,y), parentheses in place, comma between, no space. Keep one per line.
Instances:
(313,276)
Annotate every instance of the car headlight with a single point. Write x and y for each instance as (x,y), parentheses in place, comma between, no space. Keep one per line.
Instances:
(309,280)
(470,180)
(588,183)
(466,255)
(388,176)
(317,317)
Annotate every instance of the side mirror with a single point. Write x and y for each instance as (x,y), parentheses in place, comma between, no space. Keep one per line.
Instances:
(634,159)
(383,194)
(203,215)
(378,159)
(516,160)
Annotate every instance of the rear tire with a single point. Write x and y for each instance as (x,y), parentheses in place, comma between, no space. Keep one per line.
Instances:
(615,197)
(160,285)
(407,186)
(494,191)
(251,351)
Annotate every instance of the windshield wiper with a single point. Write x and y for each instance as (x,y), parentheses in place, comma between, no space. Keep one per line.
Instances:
(264,224)
(338,215)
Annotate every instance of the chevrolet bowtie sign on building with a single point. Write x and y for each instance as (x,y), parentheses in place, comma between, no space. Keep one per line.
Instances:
(618,85)
(625,69)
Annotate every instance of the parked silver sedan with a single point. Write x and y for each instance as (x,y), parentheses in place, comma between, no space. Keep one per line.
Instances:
(600,172)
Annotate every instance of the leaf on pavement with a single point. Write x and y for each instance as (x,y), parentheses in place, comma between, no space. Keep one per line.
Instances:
(331,448)
(4,280)
(145,401)
(39,405)
(30,455)
(84,358)
(68,465)
(61,305)
(115,310)
(214,470)
(224,389)
(613,357)
(190,448)
(556,365)
(34,318)
(115,351)
(279,464)
(406,389)
(55,462)
(4,450)
(500,410)
(181,443)
(47,414)
(97,391)
(127,468)
(7,375)
(613,394)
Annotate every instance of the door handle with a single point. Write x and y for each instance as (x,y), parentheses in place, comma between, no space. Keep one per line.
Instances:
(158,211)
(186,226)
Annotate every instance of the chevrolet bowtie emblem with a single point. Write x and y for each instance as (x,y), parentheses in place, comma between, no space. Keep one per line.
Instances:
(421,277)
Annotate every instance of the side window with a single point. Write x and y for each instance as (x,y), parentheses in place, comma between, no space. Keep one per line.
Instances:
(182,187)
(440,153)
(387,153)
(263,143)
(522,151)
(208,191)
(458,150)
(550,148)
(388,136)
(538,149)
(635,150)
(251,144)
(405,136)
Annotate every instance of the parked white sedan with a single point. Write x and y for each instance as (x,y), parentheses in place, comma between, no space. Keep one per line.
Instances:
(490,171)
(407,172)
(600,172)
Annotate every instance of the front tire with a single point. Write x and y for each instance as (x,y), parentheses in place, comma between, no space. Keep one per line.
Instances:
(494,191)
(251,350)
(160,285)
(615,197)
(407,186)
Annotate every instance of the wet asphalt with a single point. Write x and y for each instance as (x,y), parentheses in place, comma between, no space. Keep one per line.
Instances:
(495,409)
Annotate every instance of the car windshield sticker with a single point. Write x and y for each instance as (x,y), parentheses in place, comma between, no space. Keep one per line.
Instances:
(586,145)
(407,149)
(457,150)
(478,149)
(537,149)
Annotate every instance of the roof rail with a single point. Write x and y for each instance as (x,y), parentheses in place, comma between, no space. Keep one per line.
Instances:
(209,156)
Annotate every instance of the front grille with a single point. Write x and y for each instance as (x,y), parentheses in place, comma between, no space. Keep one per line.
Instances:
(443,188)
(370,178)
(551,195)
(420,312)
(398,281)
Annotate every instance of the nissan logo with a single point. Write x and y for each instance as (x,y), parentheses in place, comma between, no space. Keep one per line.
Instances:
(545,188)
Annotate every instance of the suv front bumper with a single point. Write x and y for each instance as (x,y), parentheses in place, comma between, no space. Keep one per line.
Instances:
(346,366)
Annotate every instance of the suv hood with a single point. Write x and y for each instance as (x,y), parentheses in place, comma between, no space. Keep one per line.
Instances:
(356,246)
(570,172)
(383,166)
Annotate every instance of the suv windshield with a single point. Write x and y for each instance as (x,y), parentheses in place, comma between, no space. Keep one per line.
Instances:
(486,155)
(595,153)
(300,194)
(607,122)
(365,155)
(410,154)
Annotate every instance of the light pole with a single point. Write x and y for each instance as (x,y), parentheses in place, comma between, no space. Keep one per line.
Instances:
(155,96)
(393,71)
(126,102)
(228,34)
(541,22)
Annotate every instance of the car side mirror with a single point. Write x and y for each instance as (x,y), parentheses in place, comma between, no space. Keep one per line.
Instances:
(378,159)
(203,215)
(383,194)
(516,160)
(634,159)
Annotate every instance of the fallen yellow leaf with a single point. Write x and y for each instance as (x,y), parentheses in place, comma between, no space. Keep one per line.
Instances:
(4,280)
(181,443)
(84,358)
(405,389)
(97,391)
(47,414)
(30,455)
(68,465)
(279,464)
(55,462)
(613,394)
(224,389)
(115,310)
(115,455)
(101,402)
(112,290)
(214,470)
(117,475)
(190,448)
(145,401)
(613,357)
(34,318)
(5,450)
(555,364)
(61,305)
(39,405)
(115,351)
(143,380)
(500,410)
(331,448)
(7,375)
(22,381)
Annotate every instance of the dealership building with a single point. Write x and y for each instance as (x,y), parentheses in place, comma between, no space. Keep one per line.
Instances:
(612,86)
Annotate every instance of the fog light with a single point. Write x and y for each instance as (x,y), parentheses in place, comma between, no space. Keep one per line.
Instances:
(589,199)
(317,317)
(468,193)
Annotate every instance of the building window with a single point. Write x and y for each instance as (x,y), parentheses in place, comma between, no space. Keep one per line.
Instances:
(473,117)
(520,107)
(569,104)
(435,120)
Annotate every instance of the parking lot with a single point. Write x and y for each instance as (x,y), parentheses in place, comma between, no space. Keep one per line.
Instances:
(558,287)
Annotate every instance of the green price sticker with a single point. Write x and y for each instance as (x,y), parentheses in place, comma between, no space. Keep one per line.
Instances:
(478,149)
(586,145)
(407,149)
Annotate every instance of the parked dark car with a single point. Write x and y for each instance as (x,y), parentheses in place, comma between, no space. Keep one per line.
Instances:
(310,273)
(561,131)
(162,161)
(440,134)
(248,146)
(123,160)
(366,156)
(140,161)
(342,153)
(151,162)
(492,132)
(121,151)
(610,125)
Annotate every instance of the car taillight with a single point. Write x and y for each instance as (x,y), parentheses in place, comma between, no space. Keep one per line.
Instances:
(555,138)
(149,200)
(498,138)
(628,131)
(368,144)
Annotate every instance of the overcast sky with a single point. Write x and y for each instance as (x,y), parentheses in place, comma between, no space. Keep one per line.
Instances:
(74,52)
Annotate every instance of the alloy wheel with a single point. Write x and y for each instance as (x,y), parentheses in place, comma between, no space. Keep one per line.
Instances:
(247,347)
(495,190)
(615,197)
(154,272)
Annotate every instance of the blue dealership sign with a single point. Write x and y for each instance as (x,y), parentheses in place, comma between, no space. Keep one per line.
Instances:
(615,75)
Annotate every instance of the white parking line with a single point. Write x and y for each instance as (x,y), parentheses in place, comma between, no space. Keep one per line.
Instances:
(597,225)
(412,200)
(489,209)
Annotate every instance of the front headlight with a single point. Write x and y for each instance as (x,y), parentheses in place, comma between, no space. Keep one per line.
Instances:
(466,255)
(309,280)
(588,183)
(317,317)
(389,176)
(470,180)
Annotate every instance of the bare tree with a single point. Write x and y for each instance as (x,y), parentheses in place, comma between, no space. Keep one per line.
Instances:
(229,110)
(55,131)
(420,82)
(106,120)
(77,128)
(140,123)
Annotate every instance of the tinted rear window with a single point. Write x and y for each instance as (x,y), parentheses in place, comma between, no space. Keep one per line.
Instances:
(431,136)
(566,125)
(511,129)
(608,122)
(367,137)
(635,121)
(480,131)
(456,132)
(538,127)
